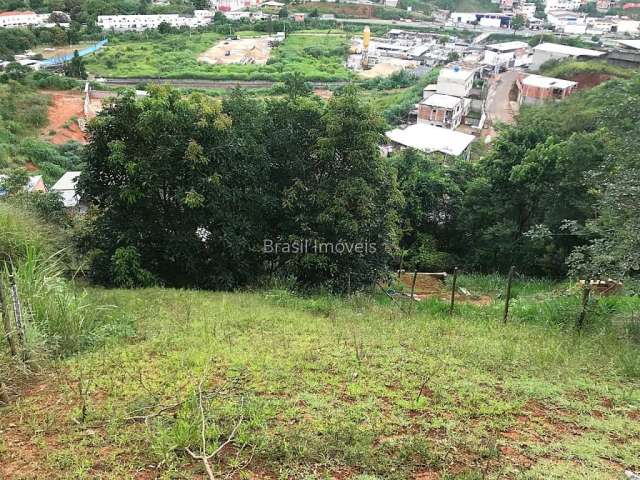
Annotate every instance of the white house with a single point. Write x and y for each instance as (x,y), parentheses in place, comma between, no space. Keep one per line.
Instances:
(506,55)
(562,18)
(455,81)
(66,188)
(562,5)
(442,110)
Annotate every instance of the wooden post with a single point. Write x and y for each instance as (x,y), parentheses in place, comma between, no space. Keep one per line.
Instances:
(4,311)
(586,291)
(413,285)
(508,294)
(453,290)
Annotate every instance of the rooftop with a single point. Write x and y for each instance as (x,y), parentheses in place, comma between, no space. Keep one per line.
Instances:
(547,82)
(442,101)
(568,50)
(67,181)
(455,73)
(508,46)
(14,13)
(430,138)
(635,44)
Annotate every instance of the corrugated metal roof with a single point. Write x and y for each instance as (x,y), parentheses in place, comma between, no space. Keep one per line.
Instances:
(430,138)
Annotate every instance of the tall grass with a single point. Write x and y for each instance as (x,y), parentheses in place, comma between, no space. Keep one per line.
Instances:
(58,318)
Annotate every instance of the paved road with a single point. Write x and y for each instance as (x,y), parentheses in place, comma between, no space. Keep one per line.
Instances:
(198,83)
(498,107)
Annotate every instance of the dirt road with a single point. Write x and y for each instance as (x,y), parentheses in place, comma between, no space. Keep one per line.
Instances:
(498,107)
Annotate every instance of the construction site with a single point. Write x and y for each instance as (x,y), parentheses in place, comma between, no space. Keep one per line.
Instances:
(241,51)
(418,51)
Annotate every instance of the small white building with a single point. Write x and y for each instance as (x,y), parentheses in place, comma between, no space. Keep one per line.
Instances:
(19,19)
(66,188)
(145,22)
(455,81)
(506,55)
(562,5)
(428,138)
(555,51)
(561,18)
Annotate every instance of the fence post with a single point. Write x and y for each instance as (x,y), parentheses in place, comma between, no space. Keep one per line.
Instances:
(4,311)
(17,309)
(453,290)
(413,284)
(508,294)
(586,291)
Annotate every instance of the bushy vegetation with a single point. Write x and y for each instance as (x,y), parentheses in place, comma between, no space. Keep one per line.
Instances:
(210,182)
(23,112)
(316,56)
(58,318)
(569,69)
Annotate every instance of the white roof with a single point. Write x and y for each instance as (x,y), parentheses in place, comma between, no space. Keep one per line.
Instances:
(67,181)
(66,187)
(430,138)
(443,101)
(272,3)
(455,73)
(568,50)
(419,50)
(547,82)
(507,46)
(630,43)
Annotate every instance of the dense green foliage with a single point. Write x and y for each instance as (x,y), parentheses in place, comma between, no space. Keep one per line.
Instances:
(23,112)
(527,201)
(191,188)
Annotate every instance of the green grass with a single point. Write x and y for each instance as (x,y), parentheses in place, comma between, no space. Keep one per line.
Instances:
(476,6)
(570,68)
(351,388)
(317,56)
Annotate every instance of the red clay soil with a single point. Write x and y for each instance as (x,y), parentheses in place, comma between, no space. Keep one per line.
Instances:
(65,109)
(431,287)
(589,80)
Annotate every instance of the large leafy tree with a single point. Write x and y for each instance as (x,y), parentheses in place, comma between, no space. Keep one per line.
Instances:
(186,189)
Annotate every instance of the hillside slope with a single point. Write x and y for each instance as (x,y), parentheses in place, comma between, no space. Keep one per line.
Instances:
(320,387)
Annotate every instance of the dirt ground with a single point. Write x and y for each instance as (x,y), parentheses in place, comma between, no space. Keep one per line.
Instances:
(49,51)
(386,68)
(64,112)
(590,80)
(244,50)
(428,286)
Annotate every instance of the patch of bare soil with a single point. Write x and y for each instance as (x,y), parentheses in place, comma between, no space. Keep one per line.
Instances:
(428,286)
(590,80)
(65,110)
(244,50)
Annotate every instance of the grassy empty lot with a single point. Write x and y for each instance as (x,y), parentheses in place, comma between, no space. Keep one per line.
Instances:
(316,55)
(321,387)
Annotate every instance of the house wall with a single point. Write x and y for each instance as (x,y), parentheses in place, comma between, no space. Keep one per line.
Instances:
(540,57)
(533,95)
(439,116)
(20,20)
(454,87)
